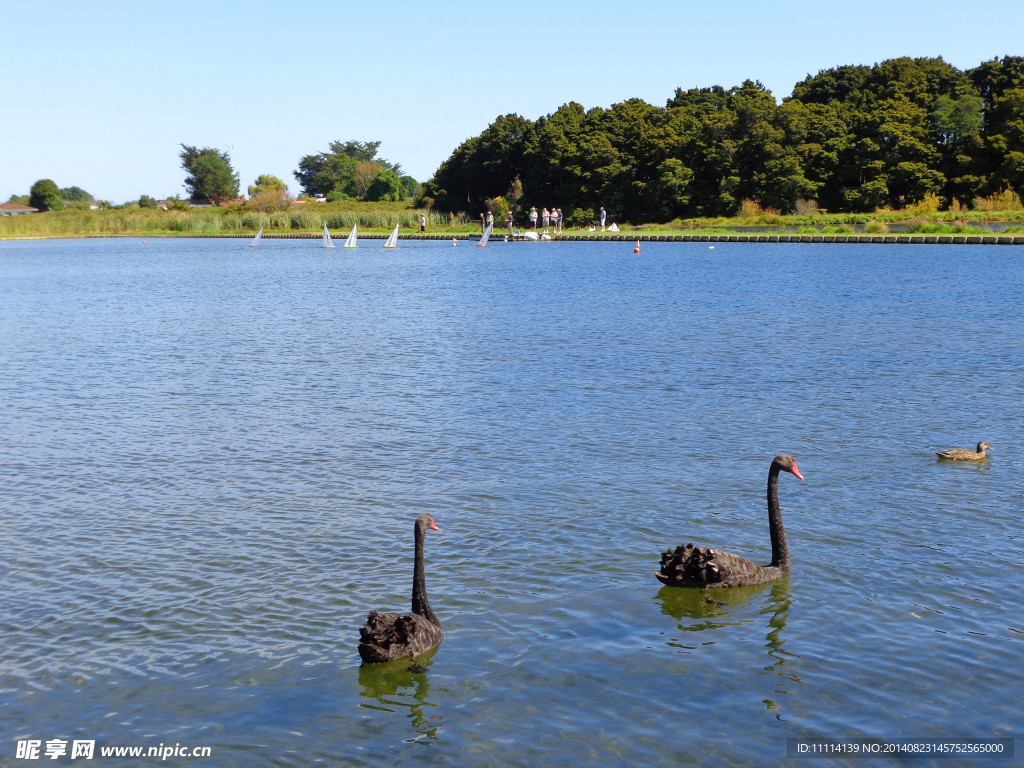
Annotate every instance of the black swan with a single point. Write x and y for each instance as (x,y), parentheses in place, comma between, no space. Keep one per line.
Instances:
(964,454)
(391,636)
(690,566)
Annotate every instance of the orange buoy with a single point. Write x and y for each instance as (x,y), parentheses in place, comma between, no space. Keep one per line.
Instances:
(637,249)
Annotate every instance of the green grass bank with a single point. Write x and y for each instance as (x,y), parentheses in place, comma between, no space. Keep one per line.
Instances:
(380,218)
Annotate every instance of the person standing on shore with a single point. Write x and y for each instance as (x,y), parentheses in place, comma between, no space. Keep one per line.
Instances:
(508,221)
(533,219)
(490,218)
(423,223)
(483,226)
(603,215)
(546,218)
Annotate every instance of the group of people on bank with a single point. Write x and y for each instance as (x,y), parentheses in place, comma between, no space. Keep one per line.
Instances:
(552,219)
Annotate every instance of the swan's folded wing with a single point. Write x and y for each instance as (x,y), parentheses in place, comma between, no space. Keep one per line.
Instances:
(389,636)
(687,565)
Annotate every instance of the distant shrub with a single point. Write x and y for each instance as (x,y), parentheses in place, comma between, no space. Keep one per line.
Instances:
(806,207)
(928,204)
(963,228)
(876,227)
(924,227)
(499,207)
(749,209)
(269,200)
(580,217)
(1004,200)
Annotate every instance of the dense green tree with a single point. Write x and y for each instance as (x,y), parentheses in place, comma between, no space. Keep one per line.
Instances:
(485,166)
(210,175)
(833,86)
(76,195)
(991,79)
(319,175)
(412,187)
(268,194)
(386,186)
(145,201)
(1000,84)
(45,195)
(357,150)
(345,170)
(266,183)
(1008,145)
(850,138)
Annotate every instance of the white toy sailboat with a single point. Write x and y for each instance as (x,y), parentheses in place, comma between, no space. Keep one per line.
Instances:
(392,241)
(485,236)
(256,240)
(350,241)
(328,243)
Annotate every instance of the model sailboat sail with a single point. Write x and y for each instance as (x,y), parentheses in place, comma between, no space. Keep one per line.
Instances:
(392,241)
(256,240)
(328,243)
(485,236)
(350,241)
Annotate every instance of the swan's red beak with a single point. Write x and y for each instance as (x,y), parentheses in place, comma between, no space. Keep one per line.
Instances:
(797,472)
(433,525)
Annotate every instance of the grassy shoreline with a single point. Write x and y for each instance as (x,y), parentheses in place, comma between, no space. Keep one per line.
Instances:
(380,219)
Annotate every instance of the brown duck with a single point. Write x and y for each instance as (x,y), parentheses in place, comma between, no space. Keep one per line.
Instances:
(690,566)
(391,636)
(964,454)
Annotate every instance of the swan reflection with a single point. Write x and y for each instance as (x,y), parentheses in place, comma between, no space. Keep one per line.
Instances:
(702,606)
(699,610)
(403,685)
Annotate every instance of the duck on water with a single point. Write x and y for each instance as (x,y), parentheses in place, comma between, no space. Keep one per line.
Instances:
(965,454)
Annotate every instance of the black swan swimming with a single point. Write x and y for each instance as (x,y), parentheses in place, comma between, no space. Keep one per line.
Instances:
(964,454)
(391,636)
(690,566)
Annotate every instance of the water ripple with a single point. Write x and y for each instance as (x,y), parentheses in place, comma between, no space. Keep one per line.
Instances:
(213,457)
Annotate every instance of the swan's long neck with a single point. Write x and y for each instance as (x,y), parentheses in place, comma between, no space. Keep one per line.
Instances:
(780,550)
(420,606)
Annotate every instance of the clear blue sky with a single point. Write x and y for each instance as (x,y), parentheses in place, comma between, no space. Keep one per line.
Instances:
(100,95)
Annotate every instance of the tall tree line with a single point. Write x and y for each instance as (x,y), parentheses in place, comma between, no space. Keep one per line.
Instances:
(851,139)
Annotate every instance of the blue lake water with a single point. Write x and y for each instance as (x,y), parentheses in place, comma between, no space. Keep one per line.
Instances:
(212,456)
